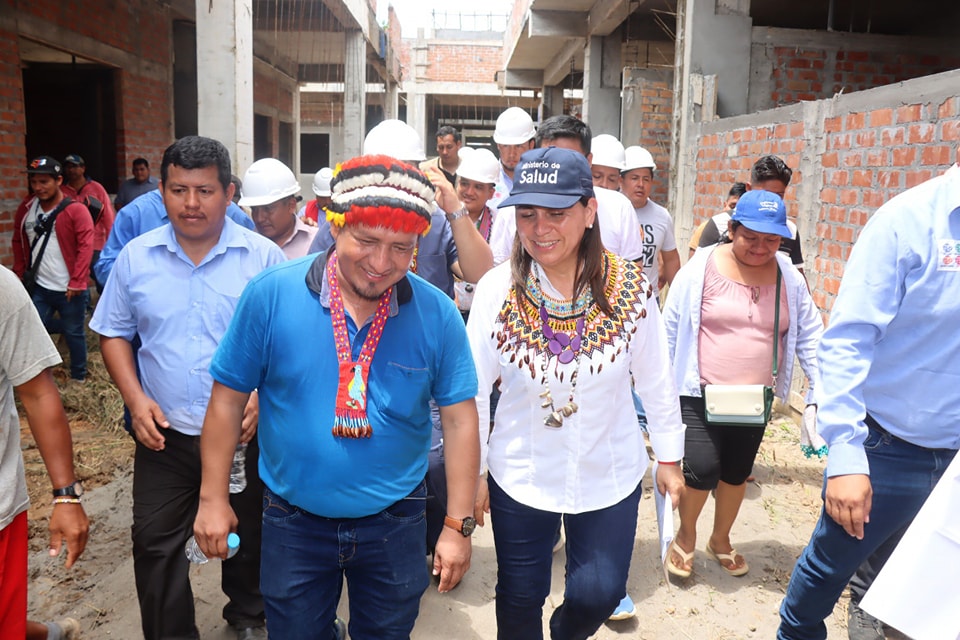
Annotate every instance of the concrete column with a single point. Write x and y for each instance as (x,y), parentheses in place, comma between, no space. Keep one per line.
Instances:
(391,100)
(225,76)
(354,93)
(416,90)
(551,103)
(601,83)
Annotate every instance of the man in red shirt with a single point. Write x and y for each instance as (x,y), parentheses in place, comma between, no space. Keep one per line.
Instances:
(56,244)
(78,186)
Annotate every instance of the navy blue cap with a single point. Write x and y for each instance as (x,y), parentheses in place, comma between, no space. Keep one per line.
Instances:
(74,159)
(553,178)
(763,212)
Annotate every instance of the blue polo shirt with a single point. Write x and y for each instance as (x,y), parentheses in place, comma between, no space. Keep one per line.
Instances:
(280,342)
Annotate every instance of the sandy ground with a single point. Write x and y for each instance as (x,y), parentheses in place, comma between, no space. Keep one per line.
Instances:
(774,524)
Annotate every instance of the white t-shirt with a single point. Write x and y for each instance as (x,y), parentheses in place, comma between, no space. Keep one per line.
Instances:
(618,227)
(53,273)
(656,227)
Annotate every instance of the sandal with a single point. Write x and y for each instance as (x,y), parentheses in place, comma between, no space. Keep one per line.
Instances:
(680,572)
(731,557)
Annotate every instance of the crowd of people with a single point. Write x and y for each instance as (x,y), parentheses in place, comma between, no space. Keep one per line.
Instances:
(429,342)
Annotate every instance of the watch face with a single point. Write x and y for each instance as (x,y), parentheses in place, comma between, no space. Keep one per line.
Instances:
(469,524)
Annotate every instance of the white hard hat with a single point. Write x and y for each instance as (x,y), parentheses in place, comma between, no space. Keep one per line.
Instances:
(266,181)
(321,182)
(607,151)
(394,138)
(480,165)
(514,126)
(637,158)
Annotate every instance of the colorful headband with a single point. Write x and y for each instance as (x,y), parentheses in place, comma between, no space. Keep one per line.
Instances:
(380,191)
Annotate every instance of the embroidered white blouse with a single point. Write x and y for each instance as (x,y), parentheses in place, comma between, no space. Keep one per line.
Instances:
(598,456)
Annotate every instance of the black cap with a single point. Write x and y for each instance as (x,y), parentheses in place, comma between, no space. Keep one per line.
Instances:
(74,159)
(45,164)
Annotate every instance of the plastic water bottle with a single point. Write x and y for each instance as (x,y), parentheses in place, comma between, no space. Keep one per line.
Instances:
(238,472)
(196,556)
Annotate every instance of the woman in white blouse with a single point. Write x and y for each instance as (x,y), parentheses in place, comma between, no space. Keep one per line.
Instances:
(566,325)
(722,324)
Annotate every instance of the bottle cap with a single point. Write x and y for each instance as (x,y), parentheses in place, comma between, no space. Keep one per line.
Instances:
(233,540)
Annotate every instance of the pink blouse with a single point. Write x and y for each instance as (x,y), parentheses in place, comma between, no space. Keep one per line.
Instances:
(736,330)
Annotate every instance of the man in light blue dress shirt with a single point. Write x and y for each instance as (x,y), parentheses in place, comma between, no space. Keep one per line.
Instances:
(146,212)
(176,288)
(889,406)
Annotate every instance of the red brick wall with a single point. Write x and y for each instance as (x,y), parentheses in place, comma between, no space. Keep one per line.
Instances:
(467,62)
(725,158)
(656,109)
(871,156)
(143,99)
(321,109)
(868,156)
(13,149)
(812,74)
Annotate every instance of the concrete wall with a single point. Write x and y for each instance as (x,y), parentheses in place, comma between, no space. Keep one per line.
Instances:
(789,65)
(850,154)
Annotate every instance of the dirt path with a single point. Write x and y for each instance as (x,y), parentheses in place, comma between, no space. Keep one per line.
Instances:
(774,524)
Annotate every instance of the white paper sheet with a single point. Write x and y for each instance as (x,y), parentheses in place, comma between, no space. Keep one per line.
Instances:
(917,591)
(664,520)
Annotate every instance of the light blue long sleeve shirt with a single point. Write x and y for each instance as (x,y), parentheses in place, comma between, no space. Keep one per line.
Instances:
(681,316)
(144,214)
(180,311)
(893,346)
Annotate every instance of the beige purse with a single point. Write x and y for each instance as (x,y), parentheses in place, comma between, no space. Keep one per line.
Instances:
(744,404)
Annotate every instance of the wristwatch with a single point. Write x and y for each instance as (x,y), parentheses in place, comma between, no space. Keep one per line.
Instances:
(456,215)
(74,490)
(465,527)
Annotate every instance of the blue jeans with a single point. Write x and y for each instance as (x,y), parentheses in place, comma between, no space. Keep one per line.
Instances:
(305,558)
(70,323)
(599,546)
(902,476)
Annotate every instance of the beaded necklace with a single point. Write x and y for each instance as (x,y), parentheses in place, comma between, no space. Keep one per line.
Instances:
(566,348)
(350,411)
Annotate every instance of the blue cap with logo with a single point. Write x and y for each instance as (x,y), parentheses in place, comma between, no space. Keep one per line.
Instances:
(553,178)
(74,159)
(763,212)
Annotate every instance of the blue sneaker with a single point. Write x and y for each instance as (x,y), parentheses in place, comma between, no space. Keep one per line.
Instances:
(625,610)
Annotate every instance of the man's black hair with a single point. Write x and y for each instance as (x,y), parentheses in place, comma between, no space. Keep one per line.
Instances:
(447,130)
(565,126)
(737,190)
(141,161)
(197,152)
(770,168)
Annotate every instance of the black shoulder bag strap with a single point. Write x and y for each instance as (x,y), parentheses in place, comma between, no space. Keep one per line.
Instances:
(46,234)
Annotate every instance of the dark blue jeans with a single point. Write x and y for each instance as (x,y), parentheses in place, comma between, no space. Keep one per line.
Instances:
(902,476)
(305,558)
(598,548)
(70,323)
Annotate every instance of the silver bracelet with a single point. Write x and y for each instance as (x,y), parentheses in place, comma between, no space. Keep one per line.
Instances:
(456,215)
